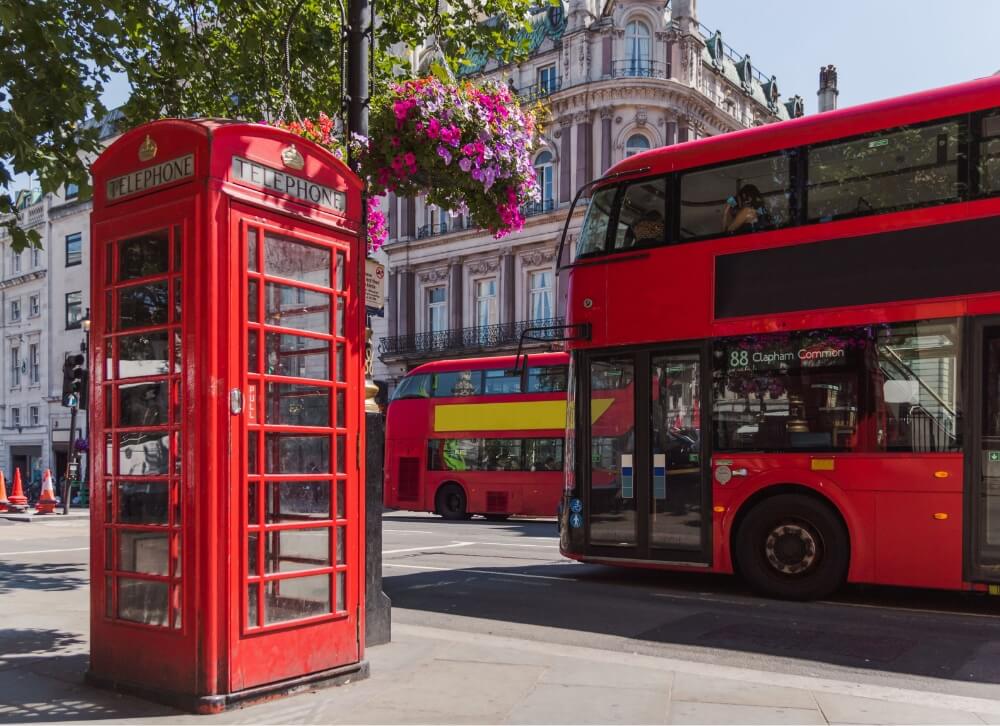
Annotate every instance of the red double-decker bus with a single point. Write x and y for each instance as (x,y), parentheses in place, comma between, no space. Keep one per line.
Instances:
(476,436)
(803,323)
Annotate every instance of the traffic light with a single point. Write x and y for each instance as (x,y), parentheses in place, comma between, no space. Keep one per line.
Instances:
(74,381)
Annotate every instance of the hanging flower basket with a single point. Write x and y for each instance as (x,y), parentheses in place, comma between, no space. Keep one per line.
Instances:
(467,148)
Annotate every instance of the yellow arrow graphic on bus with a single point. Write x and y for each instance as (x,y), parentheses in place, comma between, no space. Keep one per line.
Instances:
(513,416)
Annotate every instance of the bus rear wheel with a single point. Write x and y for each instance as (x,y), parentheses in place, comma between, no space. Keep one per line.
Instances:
(793,547)
(497,517)
(451,503)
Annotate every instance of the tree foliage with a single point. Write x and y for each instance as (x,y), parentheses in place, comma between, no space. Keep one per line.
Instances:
(221,58)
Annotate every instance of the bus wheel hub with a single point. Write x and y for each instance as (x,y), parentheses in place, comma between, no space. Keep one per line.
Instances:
(791,549)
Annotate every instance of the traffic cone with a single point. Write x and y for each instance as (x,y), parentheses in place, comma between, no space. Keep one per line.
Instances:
(18,502)
(3,493)
(47,500)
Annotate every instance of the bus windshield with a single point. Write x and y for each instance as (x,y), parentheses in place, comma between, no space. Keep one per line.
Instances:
(418,386)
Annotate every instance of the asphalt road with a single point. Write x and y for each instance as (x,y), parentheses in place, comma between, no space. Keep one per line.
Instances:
(509,579)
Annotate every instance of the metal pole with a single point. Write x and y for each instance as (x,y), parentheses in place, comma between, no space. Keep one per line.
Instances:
(70,459)
(359,20)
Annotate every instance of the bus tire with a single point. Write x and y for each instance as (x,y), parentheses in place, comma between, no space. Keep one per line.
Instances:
(792,547)
(497,517)
(451,502)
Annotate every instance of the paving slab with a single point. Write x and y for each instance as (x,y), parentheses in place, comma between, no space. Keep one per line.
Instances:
(698,689)
(687,712)
(857,710)
(573,672)
(551,703)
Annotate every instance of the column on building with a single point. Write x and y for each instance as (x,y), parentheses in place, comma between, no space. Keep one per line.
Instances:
(607,117)
(565,155)
(455,293)
(508,288)
(407,303)
(584,148)
(391,304)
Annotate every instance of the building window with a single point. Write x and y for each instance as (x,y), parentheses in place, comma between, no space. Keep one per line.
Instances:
(15,261)
(636,144)
(74,249)
(15,311)
(74,310)
(540,295)
(34,306)
(546,180)
(33,415)
(437,309)
(36,258)
(15,366)
(15,416)
(486,302)
(547,80)
(33,364)
(72,191)
(637,48)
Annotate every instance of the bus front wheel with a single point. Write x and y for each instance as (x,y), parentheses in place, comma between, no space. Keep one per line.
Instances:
(793,547)
(451,502)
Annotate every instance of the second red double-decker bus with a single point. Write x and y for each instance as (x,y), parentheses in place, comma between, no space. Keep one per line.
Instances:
(476,436)
(803,323)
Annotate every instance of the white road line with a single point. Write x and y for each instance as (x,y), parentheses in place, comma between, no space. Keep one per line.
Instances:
(710,671)
(509,544)
(479,572)
(409,531)
(39,552)
(918,611)
(428,548)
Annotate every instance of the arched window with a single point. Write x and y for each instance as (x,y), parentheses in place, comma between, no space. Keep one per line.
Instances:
(546,180)
(636,143)
(637,46)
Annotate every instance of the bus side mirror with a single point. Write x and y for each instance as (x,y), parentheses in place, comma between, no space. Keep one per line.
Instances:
(901,392)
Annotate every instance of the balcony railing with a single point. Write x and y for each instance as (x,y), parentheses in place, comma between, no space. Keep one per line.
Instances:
(463,340)
(530,94)
(430,230)
(541,207)
(636,68)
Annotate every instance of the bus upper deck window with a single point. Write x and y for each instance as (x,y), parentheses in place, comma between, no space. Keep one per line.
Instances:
(594,235)
(417,386)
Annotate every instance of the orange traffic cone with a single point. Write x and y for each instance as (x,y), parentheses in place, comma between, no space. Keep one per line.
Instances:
(18,502)
(3,493)
(47,500)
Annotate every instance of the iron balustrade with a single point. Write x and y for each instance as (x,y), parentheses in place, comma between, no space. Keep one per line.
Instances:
(539,90)
(463,340)
(639,68)
(431,230)
(540,207)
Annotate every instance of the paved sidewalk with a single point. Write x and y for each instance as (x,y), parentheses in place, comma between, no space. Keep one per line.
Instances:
(431,675)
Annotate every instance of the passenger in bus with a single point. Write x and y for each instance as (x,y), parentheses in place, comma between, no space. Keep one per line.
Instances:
(746,211)
(649,229)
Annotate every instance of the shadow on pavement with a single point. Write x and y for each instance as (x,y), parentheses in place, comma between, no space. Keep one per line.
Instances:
(42,576)
(864,628)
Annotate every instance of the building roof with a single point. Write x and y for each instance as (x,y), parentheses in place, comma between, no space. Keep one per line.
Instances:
(108,125)
(545,23)
(739,71)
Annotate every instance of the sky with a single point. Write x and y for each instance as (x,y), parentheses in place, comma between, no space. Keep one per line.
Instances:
(882,48)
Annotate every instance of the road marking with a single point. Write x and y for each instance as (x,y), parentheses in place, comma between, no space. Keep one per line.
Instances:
(508,544)
(409,531)
(711,671)
(918,611)
(480,572)
(428,548)
(39,552)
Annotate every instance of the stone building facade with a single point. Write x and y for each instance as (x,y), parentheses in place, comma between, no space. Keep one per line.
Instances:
(615,77)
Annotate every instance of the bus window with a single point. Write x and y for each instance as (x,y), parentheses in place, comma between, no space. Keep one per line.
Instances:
(547,379)
(458,383)
(989,154)
(790,391)
(418,386)
(543,454)
(594,235)
(642,215)
(743,197)
(501,455)
(919,375)
(501,381)
(914,165)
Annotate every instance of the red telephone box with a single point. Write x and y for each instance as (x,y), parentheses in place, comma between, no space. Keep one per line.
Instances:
(227,415)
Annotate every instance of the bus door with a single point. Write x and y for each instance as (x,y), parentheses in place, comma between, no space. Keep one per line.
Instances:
(983,454)
(645,478)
